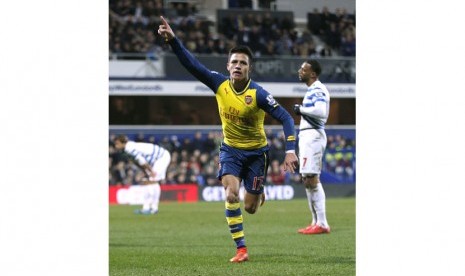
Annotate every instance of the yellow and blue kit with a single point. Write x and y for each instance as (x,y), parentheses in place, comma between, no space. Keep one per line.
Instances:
(242,116)
(244,151)
(242,112)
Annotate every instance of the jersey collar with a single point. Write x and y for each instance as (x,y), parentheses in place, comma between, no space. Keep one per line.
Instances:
(240,92)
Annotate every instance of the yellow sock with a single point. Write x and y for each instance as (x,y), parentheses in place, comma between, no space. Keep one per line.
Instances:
(234,219)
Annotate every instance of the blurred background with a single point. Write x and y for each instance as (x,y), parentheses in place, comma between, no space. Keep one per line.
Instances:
(152,98)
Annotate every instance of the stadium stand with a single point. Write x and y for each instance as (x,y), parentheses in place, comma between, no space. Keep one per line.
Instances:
(195,159)
(266,32)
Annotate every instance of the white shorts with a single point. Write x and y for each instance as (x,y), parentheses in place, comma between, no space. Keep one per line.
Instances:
(312,144)
(160,166)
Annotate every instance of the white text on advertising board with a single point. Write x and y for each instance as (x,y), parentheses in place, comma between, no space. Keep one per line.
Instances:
(277,192)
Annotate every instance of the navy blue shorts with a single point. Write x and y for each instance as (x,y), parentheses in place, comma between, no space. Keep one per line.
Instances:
(249,165)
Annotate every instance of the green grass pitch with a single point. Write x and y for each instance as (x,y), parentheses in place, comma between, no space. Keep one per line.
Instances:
(193,239)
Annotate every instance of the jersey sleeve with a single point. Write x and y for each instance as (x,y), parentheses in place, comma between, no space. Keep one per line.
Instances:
(211,79)
(266,102)
(137,155)
(317,109)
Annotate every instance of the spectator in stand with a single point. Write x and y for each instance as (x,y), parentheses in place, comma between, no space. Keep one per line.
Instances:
(314,22)
(198,141)
(277,151)
(151,139)
(153,9)
(130,22)
(348,166)
(305,36)
(326,18)
(276,175)
(330,162)
(209,144)
(175,142)
(338,156)
(181,178)
(119,111)
(220,46)
(185,174)
(187,147)
(339,161)
(171,177)
(111,179)
(348,45)
(284,45)
(119,173)
(140,137)
(182,9)
(269,49)
(209,176)
(255,39)
(130,177)
(333,36)
(117,165)
(305,50)
(249,20)
(204,158)
(167,144)
(194,162)
(243,35)
(287,24)
(230,24)
(184,154)
(326,51)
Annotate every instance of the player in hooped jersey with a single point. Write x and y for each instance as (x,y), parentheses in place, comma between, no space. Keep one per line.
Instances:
(242,105)
(154,160)
(314,113)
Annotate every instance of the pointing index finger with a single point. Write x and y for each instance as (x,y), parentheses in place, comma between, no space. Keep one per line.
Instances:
(163,20)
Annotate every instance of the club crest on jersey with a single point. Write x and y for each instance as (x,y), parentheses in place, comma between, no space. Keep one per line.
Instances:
(248,99)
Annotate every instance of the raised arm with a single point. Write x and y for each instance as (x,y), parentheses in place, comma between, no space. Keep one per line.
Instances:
(198,70)
(165,30)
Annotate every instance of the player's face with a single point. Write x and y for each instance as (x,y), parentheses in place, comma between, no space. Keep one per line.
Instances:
(239,66)
(305,72)
(119,145)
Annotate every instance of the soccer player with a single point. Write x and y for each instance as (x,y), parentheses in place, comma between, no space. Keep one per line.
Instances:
(154,161)
(242,105)
(314,113)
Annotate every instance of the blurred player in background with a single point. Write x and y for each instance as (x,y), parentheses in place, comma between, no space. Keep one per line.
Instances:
(314,113)
(154,161)
(242,106)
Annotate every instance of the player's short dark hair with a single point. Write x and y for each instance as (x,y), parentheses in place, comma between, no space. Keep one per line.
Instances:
(242,49)
(316,67)
(122,138)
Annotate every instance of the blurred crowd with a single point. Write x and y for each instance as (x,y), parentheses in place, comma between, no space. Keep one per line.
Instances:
(194,159)
(339,157)
(132,25)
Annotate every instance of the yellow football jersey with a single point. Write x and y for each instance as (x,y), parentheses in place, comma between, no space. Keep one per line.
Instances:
(241,118)
(242,112)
